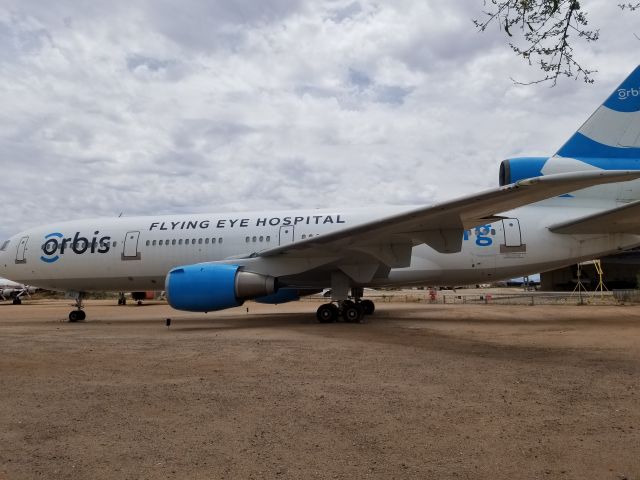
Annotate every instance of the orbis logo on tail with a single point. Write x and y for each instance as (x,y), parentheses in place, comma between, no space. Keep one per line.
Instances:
(625,93)
(56,245)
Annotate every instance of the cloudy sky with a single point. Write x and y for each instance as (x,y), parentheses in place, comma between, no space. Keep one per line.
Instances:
(200,106)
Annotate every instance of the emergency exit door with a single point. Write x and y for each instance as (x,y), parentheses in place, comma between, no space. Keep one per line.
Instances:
(512,236)
(286,235)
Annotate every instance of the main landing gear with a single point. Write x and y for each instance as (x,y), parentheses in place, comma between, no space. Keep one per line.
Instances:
(351,311)
(17,301)
(78,314)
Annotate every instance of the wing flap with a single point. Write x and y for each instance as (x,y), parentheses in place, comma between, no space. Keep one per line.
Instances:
(625,219)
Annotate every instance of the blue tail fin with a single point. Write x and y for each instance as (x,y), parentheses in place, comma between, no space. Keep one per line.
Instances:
(613,131)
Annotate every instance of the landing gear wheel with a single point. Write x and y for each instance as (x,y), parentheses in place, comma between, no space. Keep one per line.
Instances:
(139,302)
(368,307)
(327,313)
(77,315)
(17,301)
(352,312)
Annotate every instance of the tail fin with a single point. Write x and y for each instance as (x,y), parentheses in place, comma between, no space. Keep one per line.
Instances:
(613,131)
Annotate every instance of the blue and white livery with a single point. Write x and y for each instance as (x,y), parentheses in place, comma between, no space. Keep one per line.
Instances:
(608,140)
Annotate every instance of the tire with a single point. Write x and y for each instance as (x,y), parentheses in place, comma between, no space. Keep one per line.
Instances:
(352,313)
(368,307)
(17,301)
(76,316)
(327,313)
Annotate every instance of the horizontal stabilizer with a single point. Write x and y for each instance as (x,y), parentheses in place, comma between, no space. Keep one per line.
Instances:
(625,219)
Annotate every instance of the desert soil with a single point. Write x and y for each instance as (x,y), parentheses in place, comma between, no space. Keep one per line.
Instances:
(419,391)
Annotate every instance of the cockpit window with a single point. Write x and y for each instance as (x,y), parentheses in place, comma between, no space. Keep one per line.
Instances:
(4,246)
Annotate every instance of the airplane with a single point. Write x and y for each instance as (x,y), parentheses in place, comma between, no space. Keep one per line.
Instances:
(14,291)
(579,204)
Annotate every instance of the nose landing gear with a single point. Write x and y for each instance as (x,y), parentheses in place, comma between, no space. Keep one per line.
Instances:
(78,314)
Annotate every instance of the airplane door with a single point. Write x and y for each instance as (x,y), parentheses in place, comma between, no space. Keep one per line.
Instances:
(20,253)
(512,236)
(286,235)
(130,251)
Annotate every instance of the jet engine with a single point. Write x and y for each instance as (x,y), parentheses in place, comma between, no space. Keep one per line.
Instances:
(515,169)
(205,287)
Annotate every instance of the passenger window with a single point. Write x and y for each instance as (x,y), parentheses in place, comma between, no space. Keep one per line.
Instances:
(304,236)
(199,241)
(159,242)
(4,245)
(213,240)
(148,243)
(173,242)
(115,243)
(268,238)
(220,240)
(247,239)
(206,240)
(180,242)
(166,242)
(261,238)
(254,239)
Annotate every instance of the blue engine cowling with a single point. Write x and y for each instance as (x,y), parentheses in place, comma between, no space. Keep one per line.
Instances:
(515,169)
(205,287)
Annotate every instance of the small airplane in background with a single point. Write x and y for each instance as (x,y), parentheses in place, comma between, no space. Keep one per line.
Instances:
(139,297)
(14,291)
(548,212)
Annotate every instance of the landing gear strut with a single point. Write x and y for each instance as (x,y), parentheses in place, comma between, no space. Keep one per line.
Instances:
(78,314)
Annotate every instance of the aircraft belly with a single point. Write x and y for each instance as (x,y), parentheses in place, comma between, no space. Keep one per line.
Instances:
(100,284)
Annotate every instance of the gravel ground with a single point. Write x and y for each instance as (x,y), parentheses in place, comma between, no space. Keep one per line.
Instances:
(419,391)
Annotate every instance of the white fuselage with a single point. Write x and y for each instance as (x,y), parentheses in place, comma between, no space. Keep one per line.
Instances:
(136,253)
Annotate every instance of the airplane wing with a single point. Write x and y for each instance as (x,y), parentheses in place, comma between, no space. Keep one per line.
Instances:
(389,240)
(625,219)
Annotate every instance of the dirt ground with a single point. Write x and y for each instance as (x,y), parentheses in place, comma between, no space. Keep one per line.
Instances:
(419,391)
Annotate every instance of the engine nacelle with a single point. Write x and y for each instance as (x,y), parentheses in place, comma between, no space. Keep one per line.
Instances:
(515,169)
(283,295)
(205,287)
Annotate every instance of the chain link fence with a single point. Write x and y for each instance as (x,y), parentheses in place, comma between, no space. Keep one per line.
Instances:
(460,297)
